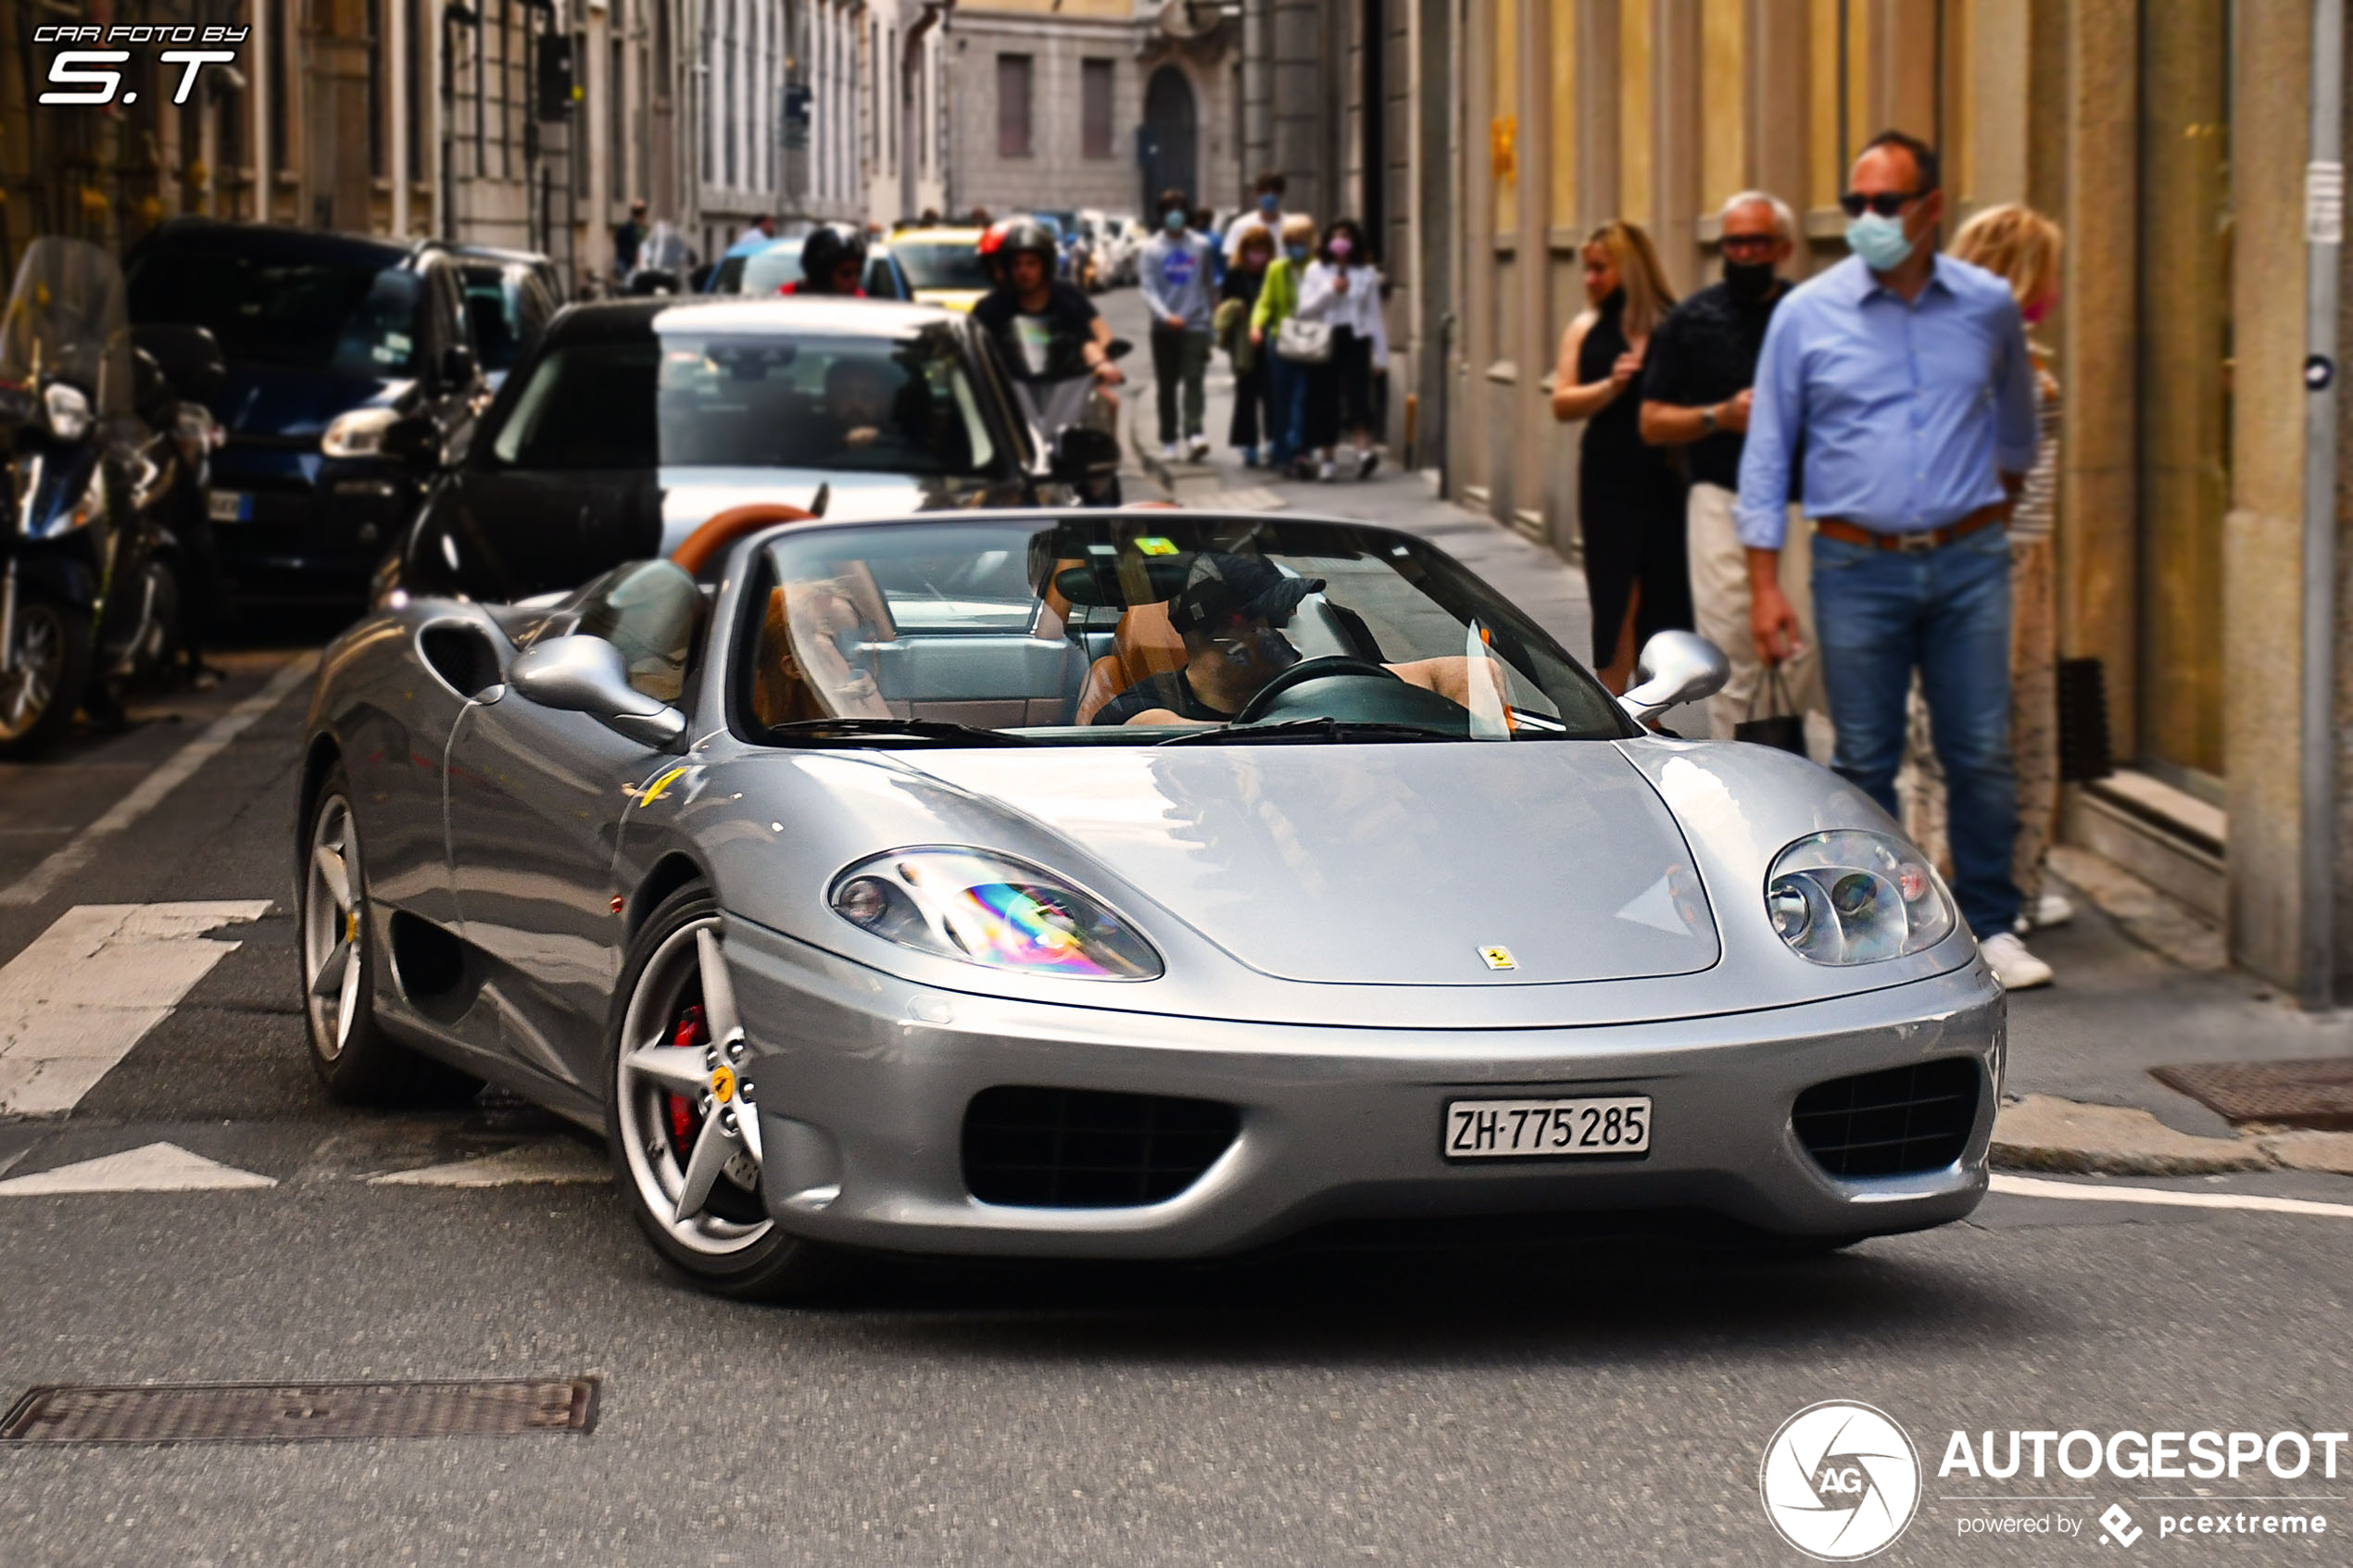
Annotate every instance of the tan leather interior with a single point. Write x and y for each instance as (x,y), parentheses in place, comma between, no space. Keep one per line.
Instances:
(1144,643)
(706,544)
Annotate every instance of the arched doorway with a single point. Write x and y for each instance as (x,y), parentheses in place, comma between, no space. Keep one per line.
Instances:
(1172,137)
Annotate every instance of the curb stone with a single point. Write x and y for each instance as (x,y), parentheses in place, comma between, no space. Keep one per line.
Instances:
(2044,1133)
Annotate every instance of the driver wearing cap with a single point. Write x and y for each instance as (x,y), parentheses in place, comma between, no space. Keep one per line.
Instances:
(1229,613)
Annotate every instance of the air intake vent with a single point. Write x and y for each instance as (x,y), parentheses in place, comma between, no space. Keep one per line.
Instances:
(1894,1124)
(1080,1149)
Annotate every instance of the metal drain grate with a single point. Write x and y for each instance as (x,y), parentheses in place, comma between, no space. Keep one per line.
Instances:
(300,1412)
(2296,1093)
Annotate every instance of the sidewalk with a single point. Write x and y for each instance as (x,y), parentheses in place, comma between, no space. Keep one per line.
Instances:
(2142,983)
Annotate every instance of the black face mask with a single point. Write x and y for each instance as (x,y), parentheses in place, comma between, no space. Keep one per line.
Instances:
(1749,281)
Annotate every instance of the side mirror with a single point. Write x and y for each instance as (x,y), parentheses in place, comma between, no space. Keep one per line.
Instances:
(1083,454)
(188,356)
(457,365)
(1674,667)
(584,674)
(414,439)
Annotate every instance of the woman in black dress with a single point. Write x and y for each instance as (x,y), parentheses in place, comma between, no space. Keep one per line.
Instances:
(1629,494)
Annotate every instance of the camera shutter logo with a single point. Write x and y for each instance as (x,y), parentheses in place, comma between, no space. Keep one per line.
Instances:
(1840,1481)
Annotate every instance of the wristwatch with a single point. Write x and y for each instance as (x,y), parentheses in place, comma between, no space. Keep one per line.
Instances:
(1708,420)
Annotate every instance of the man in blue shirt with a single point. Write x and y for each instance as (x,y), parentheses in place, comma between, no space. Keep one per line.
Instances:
(1173,277)
(1901,376)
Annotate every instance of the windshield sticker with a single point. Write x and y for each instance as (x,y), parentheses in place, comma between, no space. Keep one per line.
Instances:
(397,342)
(1153,546)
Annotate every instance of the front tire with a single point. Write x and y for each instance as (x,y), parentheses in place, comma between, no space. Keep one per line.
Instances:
(47,676)
(358,1062)
(684,1134)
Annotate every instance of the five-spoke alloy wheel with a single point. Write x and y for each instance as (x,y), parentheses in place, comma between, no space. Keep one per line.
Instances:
(684,1115)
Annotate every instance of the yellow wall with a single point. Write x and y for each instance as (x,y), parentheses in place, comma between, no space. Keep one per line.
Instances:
(1564,94)
(1637,156)
(1503,130)
(1723,151)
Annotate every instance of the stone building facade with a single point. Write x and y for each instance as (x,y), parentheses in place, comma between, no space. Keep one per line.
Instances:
(1069,103)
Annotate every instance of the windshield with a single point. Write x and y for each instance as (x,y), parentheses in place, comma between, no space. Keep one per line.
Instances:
(769,269)
(1191,629)
(683,397)
(66,322)
(494,314)
(315,313)
(932,264)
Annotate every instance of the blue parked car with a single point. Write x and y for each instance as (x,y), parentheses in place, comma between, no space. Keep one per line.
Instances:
(351,371)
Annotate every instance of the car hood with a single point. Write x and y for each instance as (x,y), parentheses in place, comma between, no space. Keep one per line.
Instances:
(271,400)
(691,496)
(1392,864)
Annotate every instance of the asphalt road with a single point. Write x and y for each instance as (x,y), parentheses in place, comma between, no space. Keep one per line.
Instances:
(1530,1406)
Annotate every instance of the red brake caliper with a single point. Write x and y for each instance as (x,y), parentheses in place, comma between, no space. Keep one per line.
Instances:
(690,1034)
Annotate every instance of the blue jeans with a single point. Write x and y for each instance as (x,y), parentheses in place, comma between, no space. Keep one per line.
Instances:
(1287,405)
(1880,613)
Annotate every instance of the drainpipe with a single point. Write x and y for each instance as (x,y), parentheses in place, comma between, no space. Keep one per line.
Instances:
(2323,235)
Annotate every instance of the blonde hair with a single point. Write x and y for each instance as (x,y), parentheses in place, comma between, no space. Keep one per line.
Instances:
(1648,298)
(1297,229)
(2017,244)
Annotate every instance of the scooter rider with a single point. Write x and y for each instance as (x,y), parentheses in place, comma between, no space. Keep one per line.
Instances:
(1049,330)
(831,262)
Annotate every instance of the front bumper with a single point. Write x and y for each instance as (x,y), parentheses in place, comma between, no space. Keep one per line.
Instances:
(865,1079)
(312,528)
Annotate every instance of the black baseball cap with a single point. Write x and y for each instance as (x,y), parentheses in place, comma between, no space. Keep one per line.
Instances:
(1223,588)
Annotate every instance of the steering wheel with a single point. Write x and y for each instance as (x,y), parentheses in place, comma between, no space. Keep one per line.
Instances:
(1305,671)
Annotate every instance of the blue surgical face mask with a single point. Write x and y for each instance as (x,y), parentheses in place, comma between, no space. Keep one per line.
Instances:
(1173,221)
(1269,203)
(1297,253)
(1881,242)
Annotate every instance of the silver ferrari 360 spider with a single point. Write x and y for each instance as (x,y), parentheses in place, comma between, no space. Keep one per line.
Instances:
(1120,884)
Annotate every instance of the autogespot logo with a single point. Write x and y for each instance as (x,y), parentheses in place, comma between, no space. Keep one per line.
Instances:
(1840,1480)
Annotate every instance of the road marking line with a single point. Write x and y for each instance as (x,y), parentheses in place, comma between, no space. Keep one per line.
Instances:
(556,1159)
(157,1167)
(2035,1186)
(70,858)
(86,990)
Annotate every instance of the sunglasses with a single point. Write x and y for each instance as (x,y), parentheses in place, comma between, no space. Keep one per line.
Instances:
(1887,204)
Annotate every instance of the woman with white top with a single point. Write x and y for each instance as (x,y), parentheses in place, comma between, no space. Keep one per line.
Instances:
(1342,288)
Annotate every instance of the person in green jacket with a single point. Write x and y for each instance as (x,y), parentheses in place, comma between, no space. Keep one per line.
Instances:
(1278,302)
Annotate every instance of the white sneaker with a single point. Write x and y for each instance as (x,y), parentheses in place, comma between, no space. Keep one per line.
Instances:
(2014,968)
(1200,445)
(1324,470)
(1169,453)
(2053,909)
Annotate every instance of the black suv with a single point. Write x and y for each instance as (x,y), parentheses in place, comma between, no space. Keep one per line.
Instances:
(352,368)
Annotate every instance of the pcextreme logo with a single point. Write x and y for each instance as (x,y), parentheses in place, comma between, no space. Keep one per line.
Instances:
(1840,1480)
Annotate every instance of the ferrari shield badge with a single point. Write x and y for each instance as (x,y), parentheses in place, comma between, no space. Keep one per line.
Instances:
(1498,957)
(722,1085)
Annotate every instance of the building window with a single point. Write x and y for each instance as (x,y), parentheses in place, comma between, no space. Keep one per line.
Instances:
(1095,80)
(376,149)
(1014,73)
(281,91)
(617,122)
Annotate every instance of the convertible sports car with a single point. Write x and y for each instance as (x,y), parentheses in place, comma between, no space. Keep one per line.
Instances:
(1142,883)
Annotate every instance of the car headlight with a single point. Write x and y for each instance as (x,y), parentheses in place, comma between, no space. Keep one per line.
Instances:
(68,411)
(1851,897)
(360,434)
(990,910)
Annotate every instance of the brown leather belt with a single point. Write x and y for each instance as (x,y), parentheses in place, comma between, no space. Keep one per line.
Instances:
(1847,533)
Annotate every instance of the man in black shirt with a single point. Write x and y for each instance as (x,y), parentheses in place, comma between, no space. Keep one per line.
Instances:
(1696,377)
(1047,330)
(1227,612)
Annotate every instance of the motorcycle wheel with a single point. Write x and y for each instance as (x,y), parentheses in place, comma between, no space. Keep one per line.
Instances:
(153,661)
(45,680)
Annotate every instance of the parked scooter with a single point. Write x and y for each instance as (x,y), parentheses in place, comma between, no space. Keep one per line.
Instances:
(1079,418)
(102,458)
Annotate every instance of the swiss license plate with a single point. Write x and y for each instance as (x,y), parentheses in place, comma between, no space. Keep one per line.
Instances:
(229,506)
(1547,1129)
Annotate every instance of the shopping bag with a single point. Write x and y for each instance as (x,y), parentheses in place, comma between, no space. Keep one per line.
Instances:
(1781,726)
(1304,343)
